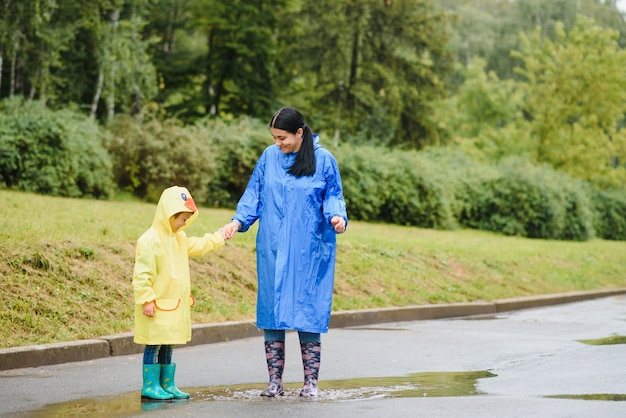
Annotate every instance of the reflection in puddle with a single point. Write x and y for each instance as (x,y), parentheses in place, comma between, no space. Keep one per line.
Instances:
(433,384)
(614,339)
(593,397)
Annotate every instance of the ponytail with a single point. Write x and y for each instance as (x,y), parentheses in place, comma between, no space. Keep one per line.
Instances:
(305,160)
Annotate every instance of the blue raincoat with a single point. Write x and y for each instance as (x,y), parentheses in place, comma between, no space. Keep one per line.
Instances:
(296,242)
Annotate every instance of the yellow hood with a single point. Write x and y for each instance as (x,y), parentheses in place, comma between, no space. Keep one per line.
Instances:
(173,200)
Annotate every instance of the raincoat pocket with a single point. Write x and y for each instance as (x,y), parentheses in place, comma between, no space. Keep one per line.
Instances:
(167,304)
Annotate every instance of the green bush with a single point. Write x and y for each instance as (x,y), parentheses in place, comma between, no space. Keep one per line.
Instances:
(151,155)
(364,175)
(63,153)
(464,181)
(610,215)
(50,152)
(237,146)
(534,202)
(400,187)
(417,193)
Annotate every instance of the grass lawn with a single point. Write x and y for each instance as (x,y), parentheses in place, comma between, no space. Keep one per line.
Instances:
(66,267)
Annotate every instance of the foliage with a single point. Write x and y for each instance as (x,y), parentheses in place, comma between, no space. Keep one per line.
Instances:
(485,118)
(535,202)
(568,111)
(151,154)
(446,189)
(237,146)
(216,63)
(489,29)
(575,99)
(52,152)
(367,71)
(393,186)
(610,211)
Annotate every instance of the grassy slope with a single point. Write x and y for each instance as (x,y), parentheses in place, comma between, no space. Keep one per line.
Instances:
(66,266)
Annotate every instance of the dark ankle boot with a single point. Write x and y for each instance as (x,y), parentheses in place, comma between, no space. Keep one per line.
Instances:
(311,354)
(275,356)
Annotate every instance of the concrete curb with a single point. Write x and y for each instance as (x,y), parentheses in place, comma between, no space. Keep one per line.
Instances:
(122,344)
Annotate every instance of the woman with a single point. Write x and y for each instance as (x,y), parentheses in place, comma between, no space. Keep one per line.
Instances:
(295,192)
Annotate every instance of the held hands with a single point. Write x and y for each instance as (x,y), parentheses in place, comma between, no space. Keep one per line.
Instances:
(221,232)
(229,230)
(339,224)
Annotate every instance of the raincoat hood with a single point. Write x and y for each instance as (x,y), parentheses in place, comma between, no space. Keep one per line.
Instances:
(173,200)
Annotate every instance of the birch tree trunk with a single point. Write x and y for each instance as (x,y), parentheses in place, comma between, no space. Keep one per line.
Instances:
(97,95)
(114,23)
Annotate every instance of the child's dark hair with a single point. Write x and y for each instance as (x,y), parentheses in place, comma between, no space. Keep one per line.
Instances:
(290,119)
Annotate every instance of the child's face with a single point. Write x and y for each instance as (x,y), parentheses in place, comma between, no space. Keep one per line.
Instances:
(179,220)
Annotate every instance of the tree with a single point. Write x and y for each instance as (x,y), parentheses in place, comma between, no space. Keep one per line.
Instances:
(239,64)
(126,75)
(576,100)
(485,115)
(490,28)
(369,70)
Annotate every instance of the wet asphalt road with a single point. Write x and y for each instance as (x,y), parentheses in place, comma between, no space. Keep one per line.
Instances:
(527,363)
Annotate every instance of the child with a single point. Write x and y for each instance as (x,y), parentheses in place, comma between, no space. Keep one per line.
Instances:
(162,289)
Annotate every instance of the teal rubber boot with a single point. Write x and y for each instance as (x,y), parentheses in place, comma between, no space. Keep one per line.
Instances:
(151,384)
(167,381)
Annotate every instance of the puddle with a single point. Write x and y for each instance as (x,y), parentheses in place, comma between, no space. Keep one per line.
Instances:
(481,317)
(377,329)
(592,397)
(411,386)
(614,339)
(428,384)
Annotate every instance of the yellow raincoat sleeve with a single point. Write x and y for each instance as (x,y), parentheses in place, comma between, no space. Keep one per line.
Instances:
(145,271)
(199,246)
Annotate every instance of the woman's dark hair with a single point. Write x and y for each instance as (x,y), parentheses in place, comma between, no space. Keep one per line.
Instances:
(290,119)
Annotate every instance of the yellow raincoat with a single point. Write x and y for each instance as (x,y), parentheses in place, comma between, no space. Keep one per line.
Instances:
(161,272)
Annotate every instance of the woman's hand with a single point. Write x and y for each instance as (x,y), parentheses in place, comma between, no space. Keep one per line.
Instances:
(339,224)
(148,308)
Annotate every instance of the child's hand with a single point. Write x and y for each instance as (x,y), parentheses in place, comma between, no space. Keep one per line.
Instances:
(148,308)
(224,236)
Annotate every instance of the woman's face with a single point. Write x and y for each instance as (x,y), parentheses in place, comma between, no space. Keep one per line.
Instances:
(286,141)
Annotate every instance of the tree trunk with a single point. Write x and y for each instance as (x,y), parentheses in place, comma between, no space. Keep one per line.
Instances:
(114,22)
(12,81)
(97,95)
(209,89)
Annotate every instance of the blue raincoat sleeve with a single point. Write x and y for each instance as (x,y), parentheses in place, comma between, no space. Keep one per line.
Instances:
(334,203)
(248,207)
